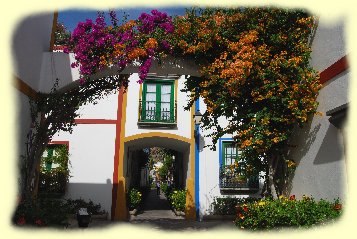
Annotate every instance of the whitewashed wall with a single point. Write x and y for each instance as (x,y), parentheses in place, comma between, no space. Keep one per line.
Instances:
(209,171)
(321,170)
(57,65)
(106,108)
(183,117)
(92,149)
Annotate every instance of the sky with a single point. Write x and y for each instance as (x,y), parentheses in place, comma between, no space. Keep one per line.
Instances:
(70,18)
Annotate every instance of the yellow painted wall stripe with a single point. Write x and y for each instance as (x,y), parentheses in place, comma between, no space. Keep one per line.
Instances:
(157,134)
(190,184)
(122,134)
(120,208)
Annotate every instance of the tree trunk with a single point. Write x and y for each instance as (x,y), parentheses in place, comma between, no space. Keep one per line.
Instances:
(269,189)
(37,142)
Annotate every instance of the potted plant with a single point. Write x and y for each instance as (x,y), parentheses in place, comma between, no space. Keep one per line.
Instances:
(83,217)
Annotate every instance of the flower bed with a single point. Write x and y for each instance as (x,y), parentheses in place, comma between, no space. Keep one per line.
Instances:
(286,212)
(53,211)
(227,205)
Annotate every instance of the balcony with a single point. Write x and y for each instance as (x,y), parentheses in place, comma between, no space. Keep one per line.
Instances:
(157,114)
(230,181)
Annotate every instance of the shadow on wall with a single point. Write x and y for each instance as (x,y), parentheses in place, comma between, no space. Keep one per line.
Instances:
(30,40)
(24,119)
(98,193)
(301,141)
(331,149)
(202,142)
(56,65)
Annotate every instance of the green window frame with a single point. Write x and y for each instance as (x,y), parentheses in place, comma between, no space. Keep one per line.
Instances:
(230,176)
(230,153)
(158,101)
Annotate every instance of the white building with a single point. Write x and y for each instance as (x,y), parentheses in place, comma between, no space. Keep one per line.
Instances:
(106,145)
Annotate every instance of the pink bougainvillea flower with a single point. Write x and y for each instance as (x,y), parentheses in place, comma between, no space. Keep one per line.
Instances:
(82,81)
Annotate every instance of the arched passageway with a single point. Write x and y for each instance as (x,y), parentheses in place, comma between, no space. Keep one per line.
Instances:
(134,156)
(136,174)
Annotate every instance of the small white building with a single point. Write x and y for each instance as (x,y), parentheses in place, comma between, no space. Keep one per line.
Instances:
(106,145)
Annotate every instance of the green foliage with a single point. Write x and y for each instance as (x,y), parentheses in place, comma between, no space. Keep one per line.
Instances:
(286,212)
(255,71)
(74,205)
(167,190)
(62,35)
(61,110)
(54,180)
(135,197)
(59,157)
(227,205)
(41,212)
(51,211)
(167,167)
(178,199)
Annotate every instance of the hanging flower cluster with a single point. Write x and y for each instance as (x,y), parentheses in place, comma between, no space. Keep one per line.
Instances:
(96,45)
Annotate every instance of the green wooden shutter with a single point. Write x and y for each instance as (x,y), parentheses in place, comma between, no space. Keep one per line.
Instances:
(158,111)
(158,103)
(49,159)
(229,153)
(143,103)
(172,105)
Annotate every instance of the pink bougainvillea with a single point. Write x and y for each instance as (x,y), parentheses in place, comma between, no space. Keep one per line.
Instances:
(96,45)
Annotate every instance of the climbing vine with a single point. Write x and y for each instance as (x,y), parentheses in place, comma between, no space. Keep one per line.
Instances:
(54,112)
(256,73)
(54,171)
(254,65)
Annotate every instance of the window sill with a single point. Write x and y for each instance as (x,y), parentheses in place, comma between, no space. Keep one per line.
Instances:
(157,124)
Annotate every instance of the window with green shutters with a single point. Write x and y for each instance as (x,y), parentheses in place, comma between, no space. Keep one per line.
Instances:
(230,153)
(158,101)
(48,160)
(231,169)
(54,171)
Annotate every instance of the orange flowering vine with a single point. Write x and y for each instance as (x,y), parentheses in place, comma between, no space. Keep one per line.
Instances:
(255,71)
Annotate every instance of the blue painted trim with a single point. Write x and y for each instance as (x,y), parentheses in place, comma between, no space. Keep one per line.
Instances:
(197,164)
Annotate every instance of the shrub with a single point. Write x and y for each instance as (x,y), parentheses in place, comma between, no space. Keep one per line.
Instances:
(227,205)
(178,200)
(135,197)
(41,212)
(74,205)
(286,212)
(167,190)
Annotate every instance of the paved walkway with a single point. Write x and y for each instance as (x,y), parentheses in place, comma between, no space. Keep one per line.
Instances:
(156,214)
(155,207)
